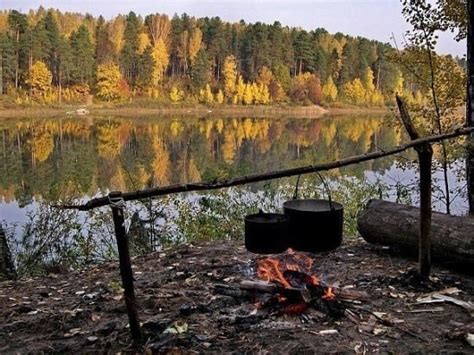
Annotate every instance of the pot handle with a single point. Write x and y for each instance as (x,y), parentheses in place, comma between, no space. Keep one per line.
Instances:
(326,187)
(295,195)
(328,191)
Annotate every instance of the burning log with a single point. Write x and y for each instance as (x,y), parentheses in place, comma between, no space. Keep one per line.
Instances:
(293,287)
(392,224)
(342,294)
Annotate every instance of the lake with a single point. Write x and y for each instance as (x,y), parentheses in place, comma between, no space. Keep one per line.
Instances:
(63,157)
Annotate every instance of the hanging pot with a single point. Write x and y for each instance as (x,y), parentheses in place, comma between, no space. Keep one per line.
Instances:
(315,225)
(266,233)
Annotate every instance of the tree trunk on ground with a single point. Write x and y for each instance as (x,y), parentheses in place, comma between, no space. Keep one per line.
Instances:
(392,224)
(470,106)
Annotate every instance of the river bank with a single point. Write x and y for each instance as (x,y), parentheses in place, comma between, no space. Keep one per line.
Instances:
(196,110)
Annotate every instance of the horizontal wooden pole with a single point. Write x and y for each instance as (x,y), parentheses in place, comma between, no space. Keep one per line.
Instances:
(243,180)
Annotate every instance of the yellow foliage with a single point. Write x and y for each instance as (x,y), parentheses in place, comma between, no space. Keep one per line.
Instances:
(219,125)
(110,84)
(176,95)
(143,177)
(262,94)
(399,83)
(161,57)
(265,76)
(248,94)
(42,145)
(161,162)
(220,97)
(193,171)
(40,78)
(376,98)
(176,128)
(239,91)
(205,95)
(368,80)
(229,72)
(329,90)
(117,180)
(143,42)
(354,92)
(108,142)
(229,146)
(194,44)
(115,31)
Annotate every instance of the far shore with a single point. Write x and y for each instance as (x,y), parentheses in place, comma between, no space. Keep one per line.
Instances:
(194,111)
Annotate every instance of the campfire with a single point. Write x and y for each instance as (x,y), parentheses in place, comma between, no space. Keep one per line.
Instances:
(288,284)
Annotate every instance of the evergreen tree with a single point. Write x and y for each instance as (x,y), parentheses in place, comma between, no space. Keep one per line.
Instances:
(129,56)
(46,44)
(83,56)
(200,72)
(18,37)
(146,67)
(103,50)
(303,53)
(8,62)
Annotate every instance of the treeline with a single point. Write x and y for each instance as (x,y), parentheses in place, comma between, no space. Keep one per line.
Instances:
(50,56)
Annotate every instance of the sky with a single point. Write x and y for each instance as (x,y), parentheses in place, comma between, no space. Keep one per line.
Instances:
(374,19)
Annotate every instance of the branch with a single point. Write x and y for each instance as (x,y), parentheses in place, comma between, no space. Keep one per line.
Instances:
(243,180)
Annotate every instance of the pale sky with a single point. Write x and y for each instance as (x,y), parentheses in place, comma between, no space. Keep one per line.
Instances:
(374,19)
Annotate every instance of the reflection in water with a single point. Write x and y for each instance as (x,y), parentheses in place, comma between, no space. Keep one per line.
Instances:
(61,157)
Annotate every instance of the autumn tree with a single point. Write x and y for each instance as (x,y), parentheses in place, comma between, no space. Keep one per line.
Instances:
(110,84)
(306,88)
(427,19)
(40,78)
(354,92)
(230,76)
(161,60)
(329,90)
(205,95)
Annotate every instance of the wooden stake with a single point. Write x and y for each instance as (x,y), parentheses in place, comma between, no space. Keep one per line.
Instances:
(470,105)
(425,156)
(116,203)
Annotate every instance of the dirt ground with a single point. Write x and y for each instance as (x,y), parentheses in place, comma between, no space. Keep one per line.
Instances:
(183,311)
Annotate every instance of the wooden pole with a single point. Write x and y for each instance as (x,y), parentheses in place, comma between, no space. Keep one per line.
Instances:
(242,180)
(470,105)
(425,156)
(116,203)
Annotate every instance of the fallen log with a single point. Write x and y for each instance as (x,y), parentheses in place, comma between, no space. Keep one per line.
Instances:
(392,224)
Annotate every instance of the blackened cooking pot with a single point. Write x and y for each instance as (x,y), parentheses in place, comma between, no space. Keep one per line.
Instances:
(266,233)
(315,225)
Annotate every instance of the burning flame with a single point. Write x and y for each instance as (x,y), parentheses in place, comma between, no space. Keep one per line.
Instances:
(270,269)
(294,271)
(329,294)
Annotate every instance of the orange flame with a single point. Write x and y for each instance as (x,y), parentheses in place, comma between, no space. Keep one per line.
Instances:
(269,270)
(329,294)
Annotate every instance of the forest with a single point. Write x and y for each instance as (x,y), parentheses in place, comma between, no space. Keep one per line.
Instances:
(48,56)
